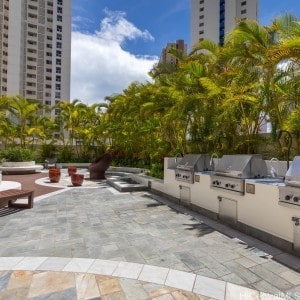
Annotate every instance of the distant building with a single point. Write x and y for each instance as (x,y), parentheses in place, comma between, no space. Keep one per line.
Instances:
(35,44)
(212,19)
(165,57)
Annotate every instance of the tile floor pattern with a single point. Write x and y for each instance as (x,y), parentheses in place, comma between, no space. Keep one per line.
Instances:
(101,223)
(137,281)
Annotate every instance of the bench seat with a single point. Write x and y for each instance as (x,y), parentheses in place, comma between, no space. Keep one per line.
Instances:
(12,195)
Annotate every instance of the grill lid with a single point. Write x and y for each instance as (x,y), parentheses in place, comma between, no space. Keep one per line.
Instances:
(292,176)
(195,163)
(242,166)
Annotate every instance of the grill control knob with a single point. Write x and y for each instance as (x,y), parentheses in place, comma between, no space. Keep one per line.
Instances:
(296,199)
(287,197)
(227,185)
(232,186)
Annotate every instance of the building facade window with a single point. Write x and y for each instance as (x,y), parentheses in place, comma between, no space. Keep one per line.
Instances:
(244,11)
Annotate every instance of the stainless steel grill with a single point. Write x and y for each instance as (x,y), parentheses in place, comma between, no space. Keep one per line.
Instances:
(290,192)
(190,164)
(232,170)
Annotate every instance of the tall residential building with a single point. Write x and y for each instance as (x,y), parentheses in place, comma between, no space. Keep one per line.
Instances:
(165,57)
(212,19)
(35,49)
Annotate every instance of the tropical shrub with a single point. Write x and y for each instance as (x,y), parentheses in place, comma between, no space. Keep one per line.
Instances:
(16,154)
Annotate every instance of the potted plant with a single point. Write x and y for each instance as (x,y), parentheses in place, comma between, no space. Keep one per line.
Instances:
(71,170)
(77,179)
(54,174)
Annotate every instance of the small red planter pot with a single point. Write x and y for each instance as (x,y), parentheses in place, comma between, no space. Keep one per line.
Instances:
(54,175)
(72,170)
(77,179)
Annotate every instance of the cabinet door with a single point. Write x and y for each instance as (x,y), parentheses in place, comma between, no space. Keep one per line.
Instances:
(185,195)
(228,210)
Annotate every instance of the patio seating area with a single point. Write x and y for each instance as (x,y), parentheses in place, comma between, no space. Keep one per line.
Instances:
(94,241)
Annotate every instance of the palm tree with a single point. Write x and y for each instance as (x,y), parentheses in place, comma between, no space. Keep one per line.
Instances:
(21,114)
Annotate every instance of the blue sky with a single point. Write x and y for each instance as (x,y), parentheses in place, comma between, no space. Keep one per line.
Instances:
(116,42)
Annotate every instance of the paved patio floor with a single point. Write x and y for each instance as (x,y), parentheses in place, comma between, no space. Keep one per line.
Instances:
(103,225)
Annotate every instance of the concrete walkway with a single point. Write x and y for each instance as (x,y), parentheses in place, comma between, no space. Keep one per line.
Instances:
(141,232)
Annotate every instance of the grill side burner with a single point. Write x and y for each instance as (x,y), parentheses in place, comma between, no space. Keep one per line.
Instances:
(232,170)
(190,164)
(290,193)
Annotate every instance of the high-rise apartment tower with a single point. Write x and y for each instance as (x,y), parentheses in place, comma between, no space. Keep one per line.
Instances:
(212,19)
(35,49)
(165,57)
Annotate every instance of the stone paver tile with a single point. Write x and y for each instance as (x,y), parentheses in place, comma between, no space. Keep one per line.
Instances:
(256,258)
(233,278)
(54,264)
(64,294)
(155,290)
(275,267)
(272,278)
(29,263)
(104,267)
(236,292)
(78,265)
(4,279)
(291,276)
(244,273)
(264,286)
(20,279)
(109,286)
(44,283)
(128,270)
(209,287)
(133,289)
(207,273)
(246,262)
(184,295)
(15,294)
(164,297)
(86,286)
(154,274)
(7,263)
(180,280)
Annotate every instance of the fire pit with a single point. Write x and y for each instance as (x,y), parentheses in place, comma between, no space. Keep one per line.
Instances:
(232,170)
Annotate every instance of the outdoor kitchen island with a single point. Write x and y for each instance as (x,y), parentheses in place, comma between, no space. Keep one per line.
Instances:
(256,210)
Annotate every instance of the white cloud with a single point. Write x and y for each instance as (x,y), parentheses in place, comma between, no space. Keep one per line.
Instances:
(100,67)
